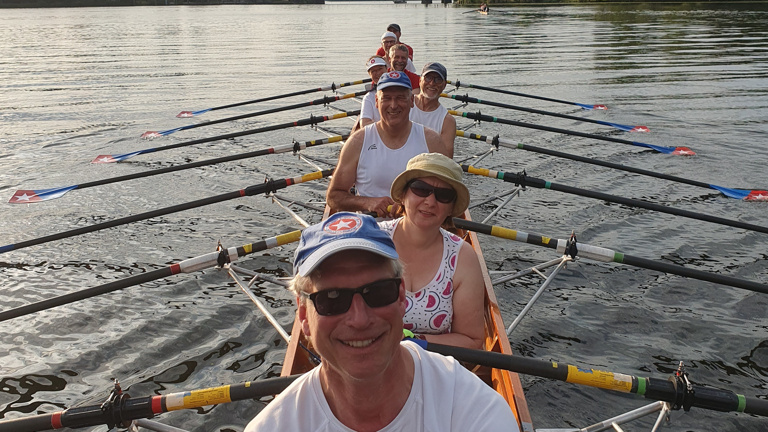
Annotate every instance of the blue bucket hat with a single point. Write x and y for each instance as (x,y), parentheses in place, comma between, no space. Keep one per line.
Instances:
(341,231)
(394,78)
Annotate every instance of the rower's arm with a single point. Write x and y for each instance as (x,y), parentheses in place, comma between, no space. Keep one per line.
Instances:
(338,195)
(435,143)
(448,134)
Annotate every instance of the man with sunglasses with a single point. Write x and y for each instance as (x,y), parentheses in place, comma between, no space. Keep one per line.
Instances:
(427,109)
(372,157)
(370,379)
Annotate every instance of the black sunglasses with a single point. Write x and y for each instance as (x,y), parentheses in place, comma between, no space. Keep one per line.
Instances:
(338,301)
(423,189)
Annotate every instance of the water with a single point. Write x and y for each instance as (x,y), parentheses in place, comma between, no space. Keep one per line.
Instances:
(76,83)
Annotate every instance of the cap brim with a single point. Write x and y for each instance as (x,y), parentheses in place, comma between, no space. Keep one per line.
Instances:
(325,251)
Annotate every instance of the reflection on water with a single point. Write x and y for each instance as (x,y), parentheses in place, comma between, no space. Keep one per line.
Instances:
(75,83)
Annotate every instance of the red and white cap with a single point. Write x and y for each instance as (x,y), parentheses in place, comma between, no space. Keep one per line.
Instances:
(375,61)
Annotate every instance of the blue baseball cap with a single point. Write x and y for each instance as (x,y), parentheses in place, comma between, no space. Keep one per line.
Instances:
(394,78)
(341,231)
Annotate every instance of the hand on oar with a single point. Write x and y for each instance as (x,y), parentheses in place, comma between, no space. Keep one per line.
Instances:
(743,194)
(625,128)
(324,101)
(585,106)
(682,151)
(332,87)
(525,180)
(269,186)
(308,121)
(33,196)
(607,255)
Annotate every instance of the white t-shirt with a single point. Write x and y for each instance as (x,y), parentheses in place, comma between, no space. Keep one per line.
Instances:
(431,119)
(444,397)
(368,109)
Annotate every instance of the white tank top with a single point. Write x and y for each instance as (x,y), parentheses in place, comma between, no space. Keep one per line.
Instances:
(379,165)
(368,109)
(431,119)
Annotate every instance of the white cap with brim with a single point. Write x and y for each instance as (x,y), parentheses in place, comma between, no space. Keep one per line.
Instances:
(375,61)
(388,34)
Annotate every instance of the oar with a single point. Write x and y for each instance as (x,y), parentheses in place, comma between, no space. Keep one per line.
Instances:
(331,87)
(33,196)
(743,194)
(585,106)
(324,101)
(607,255)
(677,390)
(524,180)
(307,121)
(187,266)
(625,128)
(120,408)
(683,151)
(269,186)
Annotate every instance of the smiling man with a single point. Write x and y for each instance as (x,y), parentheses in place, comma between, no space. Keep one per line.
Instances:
(427,109)
(351,303)
(376,154)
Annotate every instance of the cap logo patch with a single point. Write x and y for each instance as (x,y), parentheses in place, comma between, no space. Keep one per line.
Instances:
(344,225)
(394,74)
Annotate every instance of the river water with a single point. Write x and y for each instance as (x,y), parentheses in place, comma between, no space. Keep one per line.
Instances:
(76,83)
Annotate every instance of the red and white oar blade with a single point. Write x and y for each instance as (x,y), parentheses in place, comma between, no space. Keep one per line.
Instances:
(151,134)
(185,114)
(757,195)
(33,196)
(683,151)
(115,158)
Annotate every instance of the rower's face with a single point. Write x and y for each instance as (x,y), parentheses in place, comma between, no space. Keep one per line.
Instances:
(399,60)
(431,85)
(397,33)
(376,72)
(362,341)
(387,43)
(394,104)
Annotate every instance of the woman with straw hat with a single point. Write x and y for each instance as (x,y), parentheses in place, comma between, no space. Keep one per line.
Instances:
(443,279)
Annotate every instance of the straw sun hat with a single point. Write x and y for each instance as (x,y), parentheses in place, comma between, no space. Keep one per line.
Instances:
(433,165)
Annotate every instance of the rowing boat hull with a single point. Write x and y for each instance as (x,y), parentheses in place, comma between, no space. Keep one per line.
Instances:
(506,383)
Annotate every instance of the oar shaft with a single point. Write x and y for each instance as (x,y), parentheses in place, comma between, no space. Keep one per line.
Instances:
(544,98)
(508,144)
(255,153)
(302,122)
(487,118)
(296,93)
(127,409)
(522,179)
(269,186)
(532,110)
(186,266)
(608,255)
(701,397)
(324,101)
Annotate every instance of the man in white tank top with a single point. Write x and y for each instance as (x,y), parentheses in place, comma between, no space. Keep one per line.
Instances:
(428,111)
(375,155)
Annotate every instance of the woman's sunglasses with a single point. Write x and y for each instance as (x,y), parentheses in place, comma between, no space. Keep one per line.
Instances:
(337,301)
(423,189)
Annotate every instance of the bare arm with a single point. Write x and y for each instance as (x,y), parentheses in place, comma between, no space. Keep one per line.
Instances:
(435,143)
(467,327)
(448,134)
(338,196)
(366,121)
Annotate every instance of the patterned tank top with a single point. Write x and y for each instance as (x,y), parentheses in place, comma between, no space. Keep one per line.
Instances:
(430,309)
